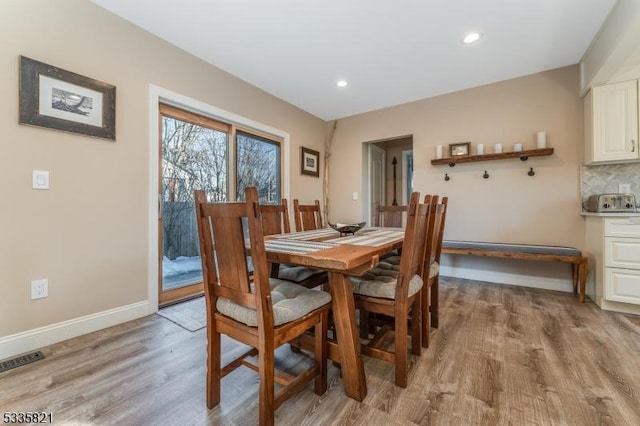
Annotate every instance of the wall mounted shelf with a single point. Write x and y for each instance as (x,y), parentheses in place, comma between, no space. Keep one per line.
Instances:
(522,155)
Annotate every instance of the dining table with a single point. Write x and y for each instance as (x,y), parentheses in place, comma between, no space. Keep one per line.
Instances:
(342,256)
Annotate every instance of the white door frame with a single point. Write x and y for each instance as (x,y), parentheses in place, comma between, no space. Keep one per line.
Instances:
(405,167)
(371,147)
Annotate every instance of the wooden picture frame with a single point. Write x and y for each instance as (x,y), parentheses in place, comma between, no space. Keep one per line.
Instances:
(309,162)
(59,99)
(459,149)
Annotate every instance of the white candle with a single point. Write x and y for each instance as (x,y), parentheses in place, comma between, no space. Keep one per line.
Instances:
(439,151)
(517,147)
(542,140)
(497,148)
(479,149)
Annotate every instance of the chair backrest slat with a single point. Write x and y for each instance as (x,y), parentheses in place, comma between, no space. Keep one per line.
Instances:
(433,232)
(440,237)
(275,218)
(390,216)
(307,217)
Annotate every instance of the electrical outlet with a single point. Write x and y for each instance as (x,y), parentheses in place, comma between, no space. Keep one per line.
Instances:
(624,188)
(39,289)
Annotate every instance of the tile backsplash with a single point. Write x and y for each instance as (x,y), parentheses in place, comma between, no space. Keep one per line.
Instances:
(605,178)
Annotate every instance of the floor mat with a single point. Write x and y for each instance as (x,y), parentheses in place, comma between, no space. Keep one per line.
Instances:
(189,315)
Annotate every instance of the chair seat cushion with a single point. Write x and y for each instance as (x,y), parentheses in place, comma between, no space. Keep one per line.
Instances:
(380,282)
(389,254)
(434,270)
(297,274)
(290,302)
(393,263)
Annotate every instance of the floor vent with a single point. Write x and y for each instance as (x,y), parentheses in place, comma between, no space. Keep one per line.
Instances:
(20,361)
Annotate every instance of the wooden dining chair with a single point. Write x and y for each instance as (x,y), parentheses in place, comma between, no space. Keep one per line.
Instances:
(430,269)
(390,216)
(254,309)
(275,220)
(397,294)
(433,282)
(307,217)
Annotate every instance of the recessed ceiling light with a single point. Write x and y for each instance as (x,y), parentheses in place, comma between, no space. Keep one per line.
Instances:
(342,83)
(471,38)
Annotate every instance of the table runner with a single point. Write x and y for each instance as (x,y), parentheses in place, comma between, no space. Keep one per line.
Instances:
(296,246)
(375,238)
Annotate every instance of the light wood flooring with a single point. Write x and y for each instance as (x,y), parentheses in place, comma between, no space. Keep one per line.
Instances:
(502,355)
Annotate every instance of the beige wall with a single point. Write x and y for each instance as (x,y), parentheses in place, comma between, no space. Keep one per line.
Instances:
(510,206)
(89,233)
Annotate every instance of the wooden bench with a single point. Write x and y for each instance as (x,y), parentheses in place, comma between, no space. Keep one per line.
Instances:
(526,252)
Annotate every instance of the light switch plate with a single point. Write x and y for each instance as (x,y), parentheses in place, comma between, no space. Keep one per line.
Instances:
(355,196)
(40,179)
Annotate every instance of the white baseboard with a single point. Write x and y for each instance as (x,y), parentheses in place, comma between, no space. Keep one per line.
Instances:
(546,283)
(31,340)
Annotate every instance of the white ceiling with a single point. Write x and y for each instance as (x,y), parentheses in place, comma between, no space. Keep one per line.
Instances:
(390,51)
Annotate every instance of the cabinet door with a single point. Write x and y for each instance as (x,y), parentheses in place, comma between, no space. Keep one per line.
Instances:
(622,252)
(622,227)
(623,285)
(615,122)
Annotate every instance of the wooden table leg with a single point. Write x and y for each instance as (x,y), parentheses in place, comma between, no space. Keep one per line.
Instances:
(344,313)
(435,302)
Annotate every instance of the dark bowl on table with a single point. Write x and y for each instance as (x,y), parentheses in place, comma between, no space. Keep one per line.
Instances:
(347,228)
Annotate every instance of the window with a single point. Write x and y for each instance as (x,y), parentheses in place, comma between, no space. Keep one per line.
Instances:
(258,164)
(195,155)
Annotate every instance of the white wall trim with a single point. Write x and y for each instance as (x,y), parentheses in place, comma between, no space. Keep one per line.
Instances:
(37,338)
(545,283)
(405,183)
(158,94)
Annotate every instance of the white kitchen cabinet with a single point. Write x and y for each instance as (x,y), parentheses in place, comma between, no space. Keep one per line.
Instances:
(613,246)
(611,123)
(623,285)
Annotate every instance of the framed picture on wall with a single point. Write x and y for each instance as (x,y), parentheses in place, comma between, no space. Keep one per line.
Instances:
(458,149)
(59,99)
(310,162)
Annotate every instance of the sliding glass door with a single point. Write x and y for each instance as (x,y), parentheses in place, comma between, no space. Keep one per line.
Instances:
(202,153)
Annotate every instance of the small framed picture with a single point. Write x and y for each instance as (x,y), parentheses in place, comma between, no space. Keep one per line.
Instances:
(59,99)
(458,149)
(310,162)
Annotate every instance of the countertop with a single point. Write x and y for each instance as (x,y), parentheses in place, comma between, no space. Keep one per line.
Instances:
(625,214)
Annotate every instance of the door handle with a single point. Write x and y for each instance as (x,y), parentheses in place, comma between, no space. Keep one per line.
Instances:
(633,145)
